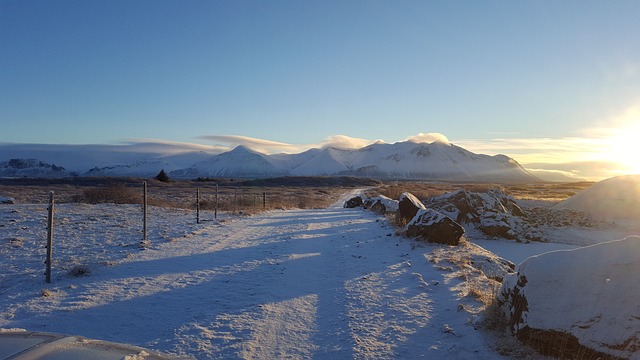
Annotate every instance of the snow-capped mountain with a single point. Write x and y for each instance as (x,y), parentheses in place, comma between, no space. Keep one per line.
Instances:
(240,162)
(403,160)
(150,166)
(31,168)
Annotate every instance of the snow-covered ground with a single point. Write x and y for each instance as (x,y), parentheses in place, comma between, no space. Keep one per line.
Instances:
(326,283)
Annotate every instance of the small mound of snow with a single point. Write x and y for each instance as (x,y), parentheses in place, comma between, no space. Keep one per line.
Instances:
(614,198)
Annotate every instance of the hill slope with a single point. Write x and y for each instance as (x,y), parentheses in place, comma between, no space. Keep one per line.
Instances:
(614,198)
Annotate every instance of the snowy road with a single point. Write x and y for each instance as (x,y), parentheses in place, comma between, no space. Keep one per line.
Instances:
(329,284)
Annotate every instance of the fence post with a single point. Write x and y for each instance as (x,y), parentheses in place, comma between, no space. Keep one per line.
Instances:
(49,240)
(215,210)
(235,200)
(264,200)
(144,211)
(197,206)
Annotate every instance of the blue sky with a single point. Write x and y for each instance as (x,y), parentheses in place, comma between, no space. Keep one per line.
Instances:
(527,79)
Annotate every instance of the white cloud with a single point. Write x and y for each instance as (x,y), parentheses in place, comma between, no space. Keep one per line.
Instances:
(594,170)
(346,142)
(272,147)
(163,146)
(555,175)
(428,138)
(265,146)
(549,150)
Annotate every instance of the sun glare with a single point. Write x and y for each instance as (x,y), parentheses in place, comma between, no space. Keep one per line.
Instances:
(624,147)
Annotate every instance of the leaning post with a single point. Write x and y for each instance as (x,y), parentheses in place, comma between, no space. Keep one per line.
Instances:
(144,211)
(49,239)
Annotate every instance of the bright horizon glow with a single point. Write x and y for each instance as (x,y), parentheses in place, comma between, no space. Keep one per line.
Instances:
(623,142)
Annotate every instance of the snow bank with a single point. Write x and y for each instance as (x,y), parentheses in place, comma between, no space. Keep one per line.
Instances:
(589,294)
(614,198)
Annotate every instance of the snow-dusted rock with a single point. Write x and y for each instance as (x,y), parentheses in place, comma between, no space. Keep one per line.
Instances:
(381,204)
(497,225)
(354,202)
(408,207)
(7,200)
(433,226)
(576,301)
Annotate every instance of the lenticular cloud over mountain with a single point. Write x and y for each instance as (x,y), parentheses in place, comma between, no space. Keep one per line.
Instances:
(273,147)
(428,138)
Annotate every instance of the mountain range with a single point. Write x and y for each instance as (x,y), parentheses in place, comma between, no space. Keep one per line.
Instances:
(403,160)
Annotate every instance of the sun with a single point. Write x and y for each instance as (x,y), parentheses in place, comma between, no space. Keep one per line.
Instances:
(624,147)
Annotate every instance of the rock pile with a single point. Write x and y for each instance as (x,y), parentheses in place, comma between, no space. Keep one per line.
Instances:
(423,223)
(444,219)
(493,212)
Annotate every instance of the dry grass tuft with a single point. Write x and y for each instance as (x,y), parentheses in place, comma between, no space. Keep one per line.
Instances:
(79,271)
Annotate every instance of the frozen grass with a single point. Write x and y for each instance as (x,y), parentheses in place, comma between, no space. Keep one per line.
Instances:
(426,190)
(232,196)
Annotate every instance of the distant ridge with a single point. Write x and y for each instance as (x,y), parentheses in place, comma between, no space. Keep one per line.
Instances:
(438,161)
(31,168)
(401,161)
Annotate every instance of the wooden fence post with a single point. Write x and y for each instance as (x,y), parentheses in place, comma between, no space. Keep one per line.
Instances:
(144,211)
(197,206)
(215,210)
(49,239)
(264,200)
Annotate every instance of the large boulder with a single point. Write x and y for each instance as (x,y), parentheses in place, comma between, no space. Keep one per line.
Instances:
(581,301)
(408,206)
(354,202)
(435,227)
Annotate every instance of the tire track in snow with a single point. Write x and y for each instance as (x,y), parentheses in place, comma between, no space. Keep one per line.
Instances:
(326,296)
